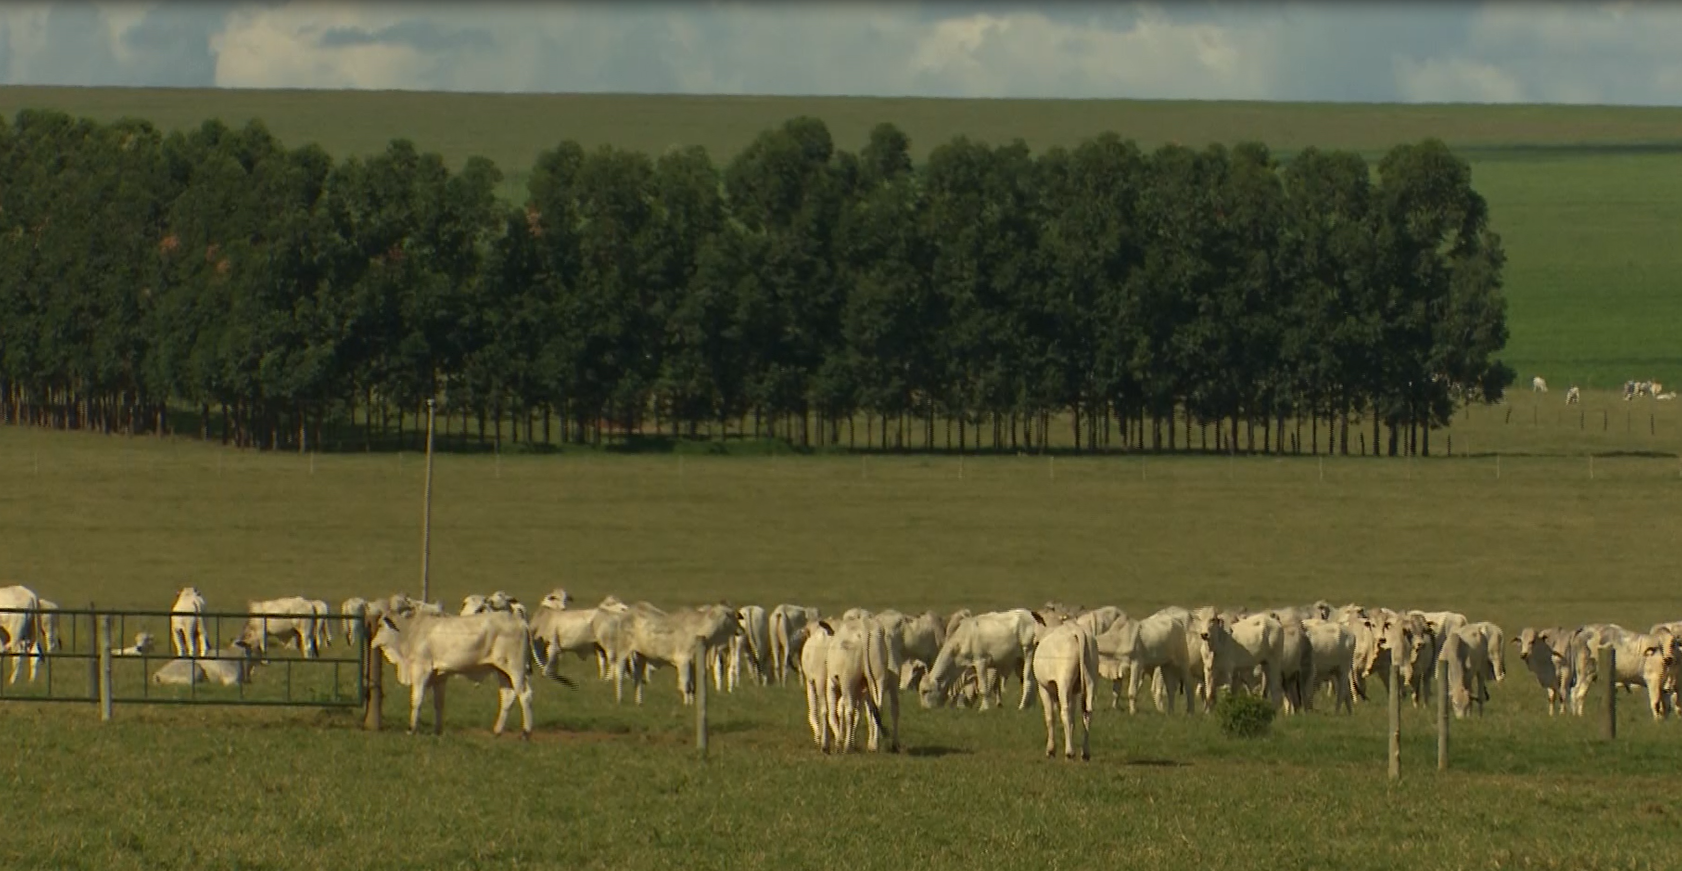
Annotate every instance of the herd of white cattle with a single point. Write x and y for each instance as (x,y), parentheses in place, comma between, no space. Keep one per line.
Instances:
(858,662)
(1632,389)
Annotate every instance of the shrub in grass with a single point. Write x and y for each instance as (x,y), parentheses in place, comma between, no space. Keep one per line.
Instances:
(1244,716)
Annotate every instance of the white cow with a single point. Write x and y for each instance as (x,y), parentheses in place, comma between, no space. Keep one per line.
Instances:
(289,618)
(752,647)
(323,624)
(48,617)
(1573,396)
(860,674)
(1552,655)
(1466,650)
(1066,671)
(1156,645)
(226,668)
(428,649)
(19,624)
(1099,620)
(814,676)
(1331,658)
(1251,643)
(142,646)
(186,625)
(785,622)
(371,612)
(640,636)
(1537,385)
(555,631)
(1002,640)
(1496,656)
(1643,660)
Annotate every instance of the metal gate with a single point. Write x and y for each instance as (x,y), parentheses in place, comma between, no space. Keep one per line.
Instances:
(96,660)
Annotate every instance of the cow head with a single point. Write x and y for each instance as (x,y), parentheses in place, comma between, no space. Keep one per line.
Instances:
(558,599)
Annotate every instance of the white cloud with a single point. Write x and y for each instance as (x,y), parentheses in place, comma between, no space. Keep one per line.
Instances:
(1491,51)
(1455,81)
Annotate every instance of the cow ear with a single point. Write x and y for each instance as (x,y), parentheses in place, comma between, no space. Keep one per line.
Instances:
(1037,618)
(827,629)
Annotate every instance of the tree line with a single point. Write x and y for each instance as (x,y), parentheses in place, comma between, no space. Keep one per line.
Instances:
(1219,298)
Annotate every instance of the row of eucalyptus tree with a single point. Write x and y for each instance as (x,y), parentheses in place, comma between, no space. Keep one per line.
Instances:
(1181,298)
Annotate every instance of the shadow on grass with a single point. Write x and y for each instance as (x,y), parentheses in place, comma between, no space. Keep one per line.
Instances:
(934,751)
(1157,763)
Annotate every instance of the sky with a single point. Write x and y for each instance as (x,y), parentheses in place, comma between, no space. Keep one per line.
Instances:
(1626,53)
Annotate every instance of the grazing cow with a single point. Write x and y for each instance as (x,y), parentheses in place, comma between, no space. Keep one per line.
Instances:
(1496,656)
(1573,396)
(1466,650)
(19,623)
(1250,643)
(785,622)
(1066,671)
(48,618)
(860,673)
(371,612)
(1331,658)
(1155,645)
(226,668)
(640,636)
(324,624)
(427,650)
(186,627)
(1537,385)
(287,618)
(1002,640)
(143,645)
(915,641)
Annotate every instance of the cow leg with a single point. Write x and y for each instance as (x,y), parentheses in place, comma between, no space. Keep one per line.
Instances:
(505,697)
(438,705)
(1065,702)
(417,696)
(982,683)
(893,712)
(178,640)
(1133,687)
(1050,706)
(816,717)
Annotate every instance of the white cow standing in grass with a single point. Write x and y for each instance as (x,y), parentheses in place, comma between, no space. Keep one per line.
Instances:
(1002,641)
(289,618)
(1066,672)
(19,621)
(1573,396)
(186,626)
(1537,385)
(427,650)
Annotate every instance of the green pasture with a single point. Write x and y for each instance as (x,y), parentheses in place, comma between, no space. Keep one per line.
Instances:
(1585,197)
(1533,540)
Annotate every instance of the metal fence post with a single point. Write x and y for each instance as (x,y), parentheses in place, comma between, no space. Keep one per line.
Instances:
(700,665)
(1442,716)
(1609,674)
(1395,718)
(105,667)
(93,662)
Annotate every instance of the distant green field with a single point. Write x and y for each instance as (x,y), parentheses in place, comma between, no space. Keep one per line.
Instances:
(1536,540)
(1587,198)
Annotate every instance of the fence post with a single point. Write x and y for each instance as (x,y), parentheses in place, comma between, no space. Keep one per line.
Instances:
(104,668)
(1442,715)
(1608,674)
(699,661)
(374,673)
(1395,718)
(93,661)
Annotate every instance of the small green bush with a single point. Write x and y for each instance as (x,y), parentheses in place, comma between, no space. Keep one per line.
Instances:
(1244,716)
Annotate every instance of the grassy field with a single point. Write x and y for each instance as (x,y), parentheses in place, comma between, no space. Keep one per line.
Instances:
(126,522)
(1585,197)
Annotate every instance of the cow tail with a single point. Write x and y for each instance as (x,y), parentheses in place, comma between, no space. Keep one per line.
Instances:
(531,650)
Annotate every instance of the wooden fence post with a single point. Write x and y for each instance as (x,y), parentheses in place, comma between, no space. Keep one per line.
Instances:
(1395,718)
(374,675)
(104,638)
(1608,674)
(700,665)
(1442,715)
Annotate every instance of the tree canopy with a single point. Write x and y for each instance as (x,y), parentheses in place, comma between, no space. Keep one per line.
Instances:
(1215,298)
